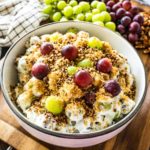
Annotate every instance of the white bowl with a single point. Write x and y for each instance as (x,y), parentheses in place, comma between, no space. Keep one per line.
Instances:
(9,77)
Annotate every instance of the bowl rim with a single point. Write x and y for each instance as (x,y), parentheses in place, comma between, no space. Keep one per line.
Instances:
(107,130)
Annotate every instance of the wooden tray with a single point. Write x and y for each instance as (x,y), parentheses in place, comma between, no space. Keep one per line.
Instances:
(135,137)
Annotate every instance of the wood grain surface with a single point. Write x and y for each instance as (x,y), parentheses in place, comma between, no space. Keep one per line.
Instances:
(135,137)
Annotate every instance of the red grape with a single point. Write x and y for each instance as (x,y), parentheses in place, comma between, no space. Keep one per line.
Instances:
(127,13)
(120,13)
(126,5)
(70,52)
(108,8)
(132,37)
(116,7)
(113,16)
(112,87)
(83,78)
(134,27)
(121,28)
(90,98)
(104,65)
(46,48)
(134,10)
(110,3)
(125,21)
(40,70)
(138,18)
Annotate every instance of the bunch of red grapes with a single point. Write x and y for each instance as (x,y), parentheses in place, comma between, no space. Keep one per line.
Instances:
(126,17)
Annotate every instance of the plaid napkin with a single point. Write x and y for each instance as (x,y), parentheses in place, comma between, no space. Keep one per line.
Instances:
(18,17)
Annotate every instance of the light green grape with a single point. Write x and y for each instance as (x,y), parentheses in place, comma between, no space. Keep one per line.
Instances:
(85,6)
(63,19)
(100,23)
(56,16)
(73,30)
(80,17)
(77,9)
(95,11)
(94,42)
(94,4)
(106,15)
(68,11)
(72,70)
(55,36)
(54,105)
(47,2)
(47,9)
(98,17)
(86,63)
(88,16)
(73,3)
(110,25)
(101,6)
(61,5)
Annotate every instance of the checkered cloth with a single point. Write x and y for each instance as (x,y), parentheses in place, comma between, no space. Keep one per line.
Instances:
(18,17)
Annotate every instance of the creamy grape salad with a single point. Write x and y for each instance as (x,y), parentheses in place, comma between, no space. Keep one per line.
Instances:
(73,83)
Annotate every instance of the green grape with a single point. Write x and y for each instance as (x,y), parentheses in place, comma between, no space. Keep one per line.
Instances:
(101,6)
(72,70)
(55,36)
(98,17)
(61,5)
(95,11)
(77,9)
(94,42)
(88,16)
(54,105)
(80,17)
(73,30)
(68,11)
(47,2)
(110,25)
(47,9)
(63,19)
(94,4)
(100,23)
(85,6)
(86,63)
(56,16)
(73,3)
(106,15)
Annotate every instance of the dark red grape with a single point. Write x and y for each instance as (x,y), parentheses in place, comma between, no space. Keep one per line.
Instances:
(134,27)
(132,37)
(46,48)
(40,70)
(113,16)
(116,7)
(125,21)
(112,87)
(127,13)
(120,13)
(83,78)
(116,1)
(134,10)
(108,8)
(104,65)
(121,28)
(70,52)
(138,18)
(110,3)
(126,5)
(90,98)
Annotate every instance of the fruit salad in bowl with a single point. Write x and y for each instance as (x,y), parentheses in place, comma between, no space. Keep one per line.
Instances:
(73,83)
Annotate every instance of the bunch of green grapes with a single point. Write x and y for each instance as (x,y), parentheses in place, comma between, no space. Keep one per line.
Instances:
(96,12)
